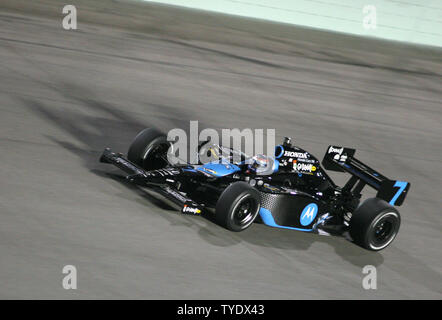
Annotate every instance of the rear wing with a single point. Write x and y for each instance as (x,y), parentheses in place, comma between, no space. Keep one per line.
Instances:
(342,159)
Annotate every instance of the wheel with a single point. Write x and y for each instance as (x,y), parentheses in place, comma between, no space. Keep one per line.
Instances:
(149,149)
(237,207)
(374,224)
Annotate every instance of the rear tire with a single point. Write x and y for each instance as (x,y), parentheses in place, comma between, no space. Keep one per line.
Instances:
(147,148)
(237,207)
(374,224)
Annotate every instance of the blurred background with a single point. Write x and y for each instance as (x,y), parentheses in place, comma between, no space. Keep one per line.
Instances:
(411,21)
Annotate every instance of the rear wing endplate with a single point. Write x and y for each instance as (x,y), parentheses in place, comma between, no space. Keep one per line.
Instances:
(342,159)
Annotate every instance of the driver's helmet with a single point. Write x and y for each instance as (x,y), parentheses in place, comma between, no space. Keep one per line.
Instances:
(260,161)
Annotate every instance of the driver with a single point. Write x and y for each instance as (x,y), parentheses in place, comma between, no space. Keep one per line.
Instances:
(259,163)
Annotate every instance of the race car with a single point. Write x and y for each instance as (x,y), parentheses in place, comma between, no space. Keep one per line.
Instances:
(289,189)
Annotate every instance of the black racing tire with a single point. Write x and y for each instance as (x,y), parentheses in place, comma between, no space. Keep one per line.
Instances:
(374,224)
(144,151)
(237,207)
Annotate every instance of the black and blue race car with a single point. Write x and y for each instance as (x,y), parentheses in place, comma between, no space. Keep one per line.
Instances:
(289,189)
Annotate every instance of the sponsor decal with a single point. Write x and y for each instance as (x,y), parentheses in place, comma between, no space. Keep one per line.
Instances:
(210,170)
(308,214)
(187,209)
(305,160)
(202,171)
(129,165)
(175,194)
(168,172)
(293,154)
(335,150)
(304,167)
(338,156)
(270,187)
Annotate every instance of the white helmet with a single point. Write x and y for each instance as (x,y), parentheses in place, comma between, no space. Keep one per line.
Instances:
(264,165)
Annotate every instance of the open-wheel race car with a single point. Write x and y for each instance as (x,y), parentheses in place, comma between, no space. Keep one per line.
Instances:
(289,189)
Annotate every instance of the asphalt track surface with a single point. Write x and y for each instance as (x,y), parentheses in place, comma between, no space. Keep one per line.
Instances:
(65,95)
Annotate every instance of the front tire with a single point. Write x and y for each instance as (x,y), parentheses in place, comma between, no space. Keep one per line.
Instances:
(237,207)
(149,149)
(374,224)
